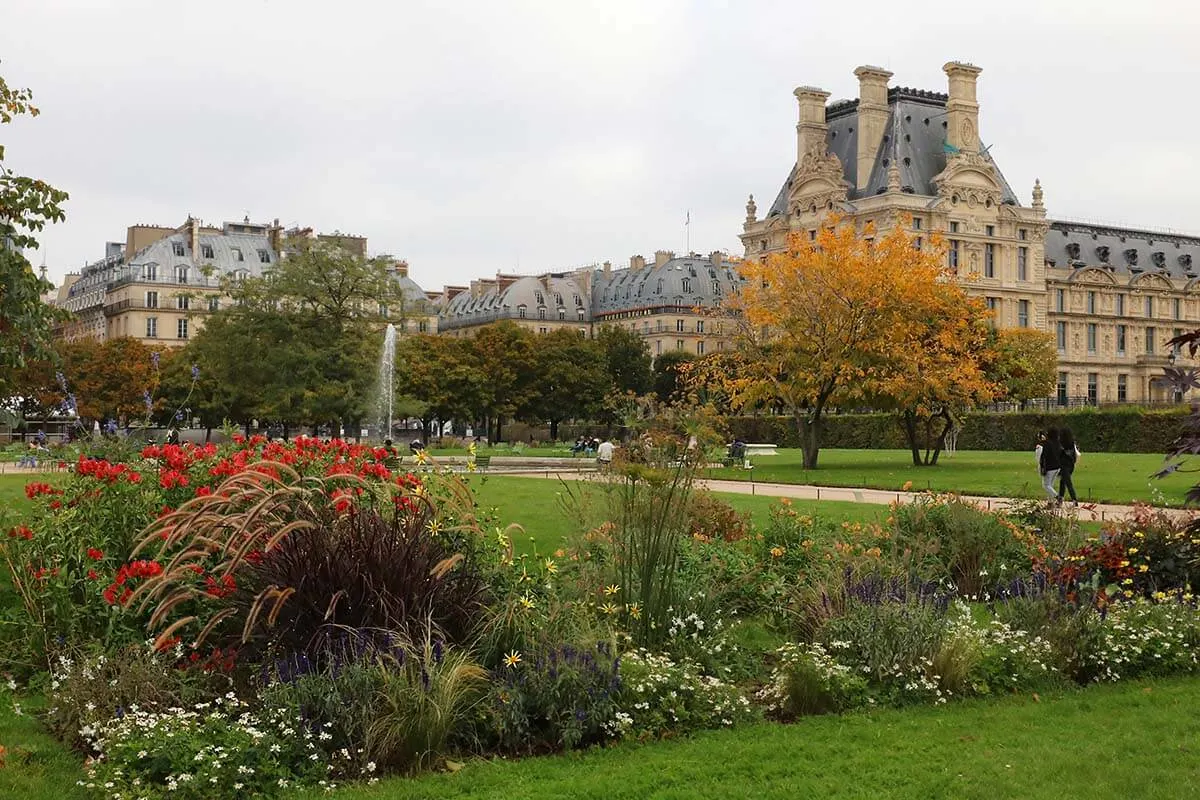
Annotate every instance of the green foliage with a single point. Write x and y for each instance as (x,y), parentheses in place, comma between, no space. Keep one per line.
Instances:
(627,359)
(26,323)
(950,539)
(668,375)
(560,697)
(807,680)
(570,379)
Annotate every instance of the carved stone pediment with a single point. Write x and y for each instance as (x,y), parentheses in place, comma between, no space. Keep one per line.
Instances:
(1092,275)
(819,181)
(1150,282)
(970,178)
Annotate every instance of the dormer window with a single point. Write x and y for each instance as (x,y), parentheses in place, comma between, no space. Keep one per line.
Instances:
(177,249)
(181,274)
(562,313)
(541,313)
(539,298)
(581,312)
(716,288)
(206,251)
(578,301)
(687,285)
(521,311)
(659,288)
(264,256)
(558,299)
(151,271)
(237,254)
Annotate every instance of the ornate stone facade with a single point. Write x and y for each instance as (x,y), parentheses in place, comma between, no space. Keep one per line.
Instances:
(898,156)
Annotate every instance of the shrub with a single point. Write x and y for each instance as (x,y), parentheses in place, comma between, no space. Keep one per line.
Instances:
(660,696)
(1069,624)
(951,539)
(1144,639)
(710,518)
(276,564)
(87,688)
(213,749)
(557,698)
(807,680)
(982,657)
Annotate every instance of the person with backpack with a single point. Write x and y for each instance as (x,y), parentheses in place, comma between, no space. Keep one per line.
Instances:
(1050,462)
(1070,457)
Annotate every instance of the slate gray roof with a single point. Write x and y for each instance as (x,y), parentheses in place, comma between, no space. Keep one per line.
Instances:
(913,138)
(1123,251)
(556,291)
(629,289)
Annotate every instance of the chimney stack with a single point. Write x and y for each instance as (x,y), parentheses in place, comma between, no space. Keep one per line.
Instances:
(637,262)
(811,130)
(662,257)
(962,109)
(872,118)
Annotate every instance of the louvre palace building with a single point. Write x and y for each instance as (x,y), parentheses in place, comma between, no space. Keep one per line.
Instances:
(1112,297)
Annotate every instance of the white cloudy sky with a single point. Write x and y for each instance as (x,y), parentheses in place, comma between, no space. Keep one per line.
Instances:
(471,137)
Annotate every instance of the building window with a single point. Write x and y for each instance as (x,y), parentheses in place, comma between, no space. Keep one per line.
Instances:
(214,303)
(812,235)
(1120,305)
(181,274)
(954,254)
(264,256)
(182,302)
(954,227)
(679,344)
(1151,335)
(1093,388)
(762,244)
(1091,338)
(1122,388)
(423,326)
(679,325)
(1062,388)
(993,303)
(151,327)
(916,223)
(699,326)
(151,299)
(152,272)
(1023,313)
(1120,340)
(181,329)
(1178,308)
(716,288)
(990,230)
(558,299)
(917,243)
(1022,234)
(578,300)
(543,330)
(1091,302)
(237,253)
(1060,300)
(1176,334)
(1022,263)
(581,313)
(541,313)
(1060,331)
(658,347)
(521,312)
(687,285)
(539,298)
(989,260)
(1149,306)
(177,249)
(206,251)
(562,313)
(700,347)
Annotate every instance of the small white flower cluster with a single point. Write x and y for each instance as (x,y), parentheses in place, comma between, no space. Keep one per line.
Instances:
(829,673)
(693,638)
(1143,638)
(1009,656)
(659,695)
(211,749)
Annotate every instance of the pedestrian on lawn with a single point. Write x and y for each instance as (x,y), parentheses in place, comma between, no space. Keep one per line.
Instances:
(1070,457)
(1050,462)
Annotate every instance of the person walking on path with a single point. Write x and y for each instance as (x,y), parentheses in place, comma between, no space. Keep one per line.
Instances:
(1050,462)
(1070,457)
(604,453)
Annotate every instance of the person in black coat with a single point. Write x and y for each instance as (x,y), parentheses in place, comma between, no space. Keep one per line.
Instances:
(1070,456)
(1050,462)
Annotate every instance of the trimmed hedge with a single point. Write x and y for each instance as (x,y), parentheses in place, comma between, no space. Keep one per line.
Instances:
(1118,430)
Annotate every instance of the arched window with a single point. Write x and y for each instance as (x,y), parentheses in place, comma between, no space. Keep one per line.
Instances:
(181,274)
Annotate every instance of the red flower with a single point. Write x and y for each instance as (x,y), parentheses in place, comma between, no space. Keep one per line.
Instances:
(32,490)
(94,554)
(93,575)
(20,532)
(225,586)
(172,478)
(203,491)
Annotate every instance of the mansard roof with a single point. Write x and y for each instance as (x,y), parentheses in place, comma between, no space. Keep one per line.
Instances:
(692,281)
(914,139)
(1128,251)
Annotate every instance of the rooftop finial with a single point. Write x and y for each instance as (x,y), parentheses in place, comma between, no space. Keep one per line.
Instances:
(1037,194)
(751,210)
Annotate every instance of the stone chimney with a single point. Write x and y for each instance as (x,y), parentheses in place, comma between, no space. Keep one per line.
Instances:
(274,234)
(962,109)
(662,256)
(872,118)
(811,130)
(637,262)
(716,258)
(193,236)
(607,267)
(402,268)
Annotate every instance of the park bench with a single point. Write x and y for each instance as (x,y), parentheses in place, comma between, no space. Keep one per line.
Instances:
(483,462)
(761,450)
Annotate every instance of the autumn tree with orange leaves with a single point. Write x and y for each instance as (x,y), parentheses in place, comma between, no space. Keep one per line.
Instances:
(852,319)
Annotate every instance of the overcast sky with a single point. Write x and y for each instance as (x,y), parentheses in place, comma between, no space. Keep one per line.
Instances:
(471,137)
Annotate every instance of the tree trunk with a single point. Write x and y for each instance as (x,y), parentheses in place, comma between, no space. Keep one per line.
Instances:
(499,422)
(554,430)
(208,434)
(909,421)
(809,426)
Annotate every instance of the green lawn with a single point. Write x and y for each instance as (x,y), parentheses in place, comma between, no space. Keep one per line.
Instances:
(1101,477)
(1126,740)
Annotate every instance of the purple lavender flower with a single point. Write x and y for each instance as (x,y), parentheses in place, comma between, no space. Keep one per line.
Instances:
(154,358)
(149,402)
(195,372)
(62,381)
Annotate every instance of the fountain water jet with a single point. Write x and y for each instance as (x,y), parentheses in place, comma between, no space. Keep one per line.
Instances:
(387,381)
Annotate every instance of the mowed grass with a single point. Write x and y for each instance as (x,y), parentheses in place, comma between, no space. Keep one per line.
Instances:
(1100,477)
(1126,740)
